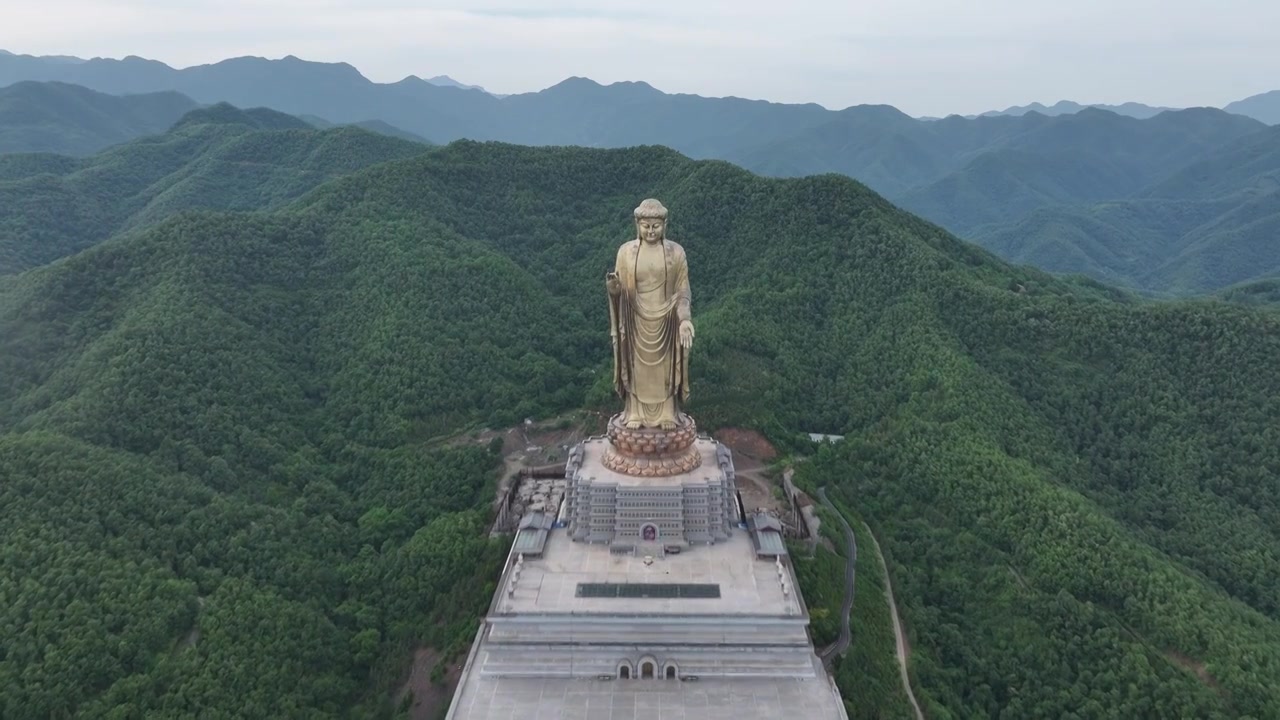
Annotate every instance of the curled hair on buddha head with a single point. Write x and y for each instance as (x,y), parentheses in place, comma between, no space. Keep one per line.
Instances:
(651,208)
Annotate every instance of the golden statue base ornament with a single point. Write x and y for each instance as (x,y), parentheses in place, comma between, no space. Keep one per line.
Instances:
(651,451)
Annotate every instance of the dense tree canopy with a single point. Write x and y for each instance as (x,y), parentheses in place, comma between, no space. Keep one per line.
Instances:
(56,117)
(223,493)
(219,158)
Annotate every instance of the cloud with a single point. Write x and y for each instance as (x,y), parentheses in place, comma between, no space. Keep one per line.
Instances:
(560,13)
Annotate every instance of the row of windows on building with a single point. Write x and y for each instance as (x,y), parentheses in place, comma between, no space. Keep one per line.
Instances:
(675,526)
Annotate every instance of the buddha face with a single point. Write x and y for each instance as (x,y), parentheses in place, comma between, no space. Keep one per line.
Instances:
(650,229)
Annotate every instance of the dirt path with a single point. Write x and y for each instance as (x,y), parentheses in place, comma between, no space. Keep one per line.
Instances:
(903,651)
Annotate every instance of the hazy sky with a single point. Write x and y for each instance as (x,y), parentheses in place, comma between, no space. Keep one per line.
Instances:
(927,57)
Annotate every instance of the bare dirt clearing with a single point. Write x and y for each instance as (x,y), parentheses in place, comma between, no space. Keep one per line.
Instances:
(430,700)
(751,453)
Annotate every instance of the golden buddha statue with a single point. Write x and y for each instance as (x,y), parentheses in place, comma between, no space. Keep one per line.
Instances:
(649,323)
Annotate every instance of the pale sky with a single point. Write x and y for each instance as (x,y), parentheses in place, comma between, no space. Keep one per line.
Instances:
(926,57)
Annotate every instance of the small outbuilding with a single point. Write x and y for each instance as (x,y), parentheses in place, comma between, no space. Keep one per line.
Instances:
(766,535)
(531,534)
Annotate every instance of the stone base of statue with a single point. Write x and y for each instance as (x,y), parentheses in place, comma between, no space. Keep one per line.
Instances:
(652,452)
(634,513)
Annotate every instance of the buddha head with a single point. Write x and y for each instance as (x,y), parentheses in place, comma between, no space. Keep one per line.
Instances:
(651,221)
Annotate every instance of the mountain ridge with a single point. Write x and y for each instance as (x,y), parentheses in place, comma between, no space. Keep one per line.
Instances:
(1130,108)
(219,157)
(934,168)
(1204,227)
(1263,106)
(73,120)
(1065,107)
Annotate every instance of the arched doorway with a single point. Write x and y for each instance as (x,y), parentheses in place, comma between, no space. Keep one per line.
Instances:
(646,670)
(624,672)
(671,672)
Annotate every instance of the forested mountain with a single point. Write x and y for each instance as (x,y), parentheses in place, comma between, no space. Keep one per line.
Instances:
(217,157)
(1183,202)
(1261,292)
(71,120)
(1092,155)
(1205,226)
(1021,184)
(371,125)
(220,493)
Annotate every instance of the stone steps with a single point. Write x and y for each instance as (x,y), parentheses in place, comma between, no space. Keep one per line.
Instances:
(724,662)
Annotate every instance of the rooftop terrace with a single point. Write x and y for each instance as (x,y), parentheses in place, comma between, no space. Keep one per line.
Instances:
(748,586)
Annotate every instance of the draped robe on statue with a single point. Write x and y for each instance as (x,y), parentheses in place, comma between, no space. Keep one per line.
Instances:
(650,367)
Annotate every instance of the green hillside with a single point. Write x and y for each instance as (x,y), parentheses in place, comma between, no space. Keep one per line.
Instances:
(1115,241)
(1203,227)
(220,496)
(377,126)
(1084,154)
(1168,205)
(1003,185)
(1237,246)
(1259,292)
(55,117)
(1076,159)
(1249,166)
(218,157)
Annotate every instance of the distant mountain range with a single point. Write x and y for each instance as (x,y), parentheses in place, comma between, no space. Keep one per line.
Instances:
(31,65)
(73,120)
(134,74)
(1264,106)
(1030,185)
(446,81)
(1067,107)
(56,117)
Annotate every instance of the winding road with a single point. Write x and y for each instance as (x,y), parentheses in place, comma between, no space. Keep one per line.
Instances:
(842,643)
(897,627)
